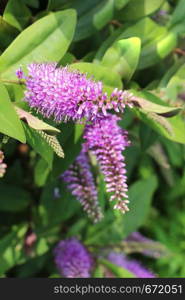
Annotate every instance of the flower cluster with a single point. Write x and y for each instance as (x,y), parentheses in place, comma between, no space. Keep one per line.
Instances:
(132,266)
(81,183)
(69,95)
(3,166)
(106,140)
(72,259)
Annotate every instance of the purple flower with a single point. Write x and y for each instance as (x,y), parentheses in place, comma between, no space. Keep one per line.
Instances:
(132,266)
(2,165)
(69,95)
(20,74)
(107,140)
(72,259)
(81,183)
(145,245)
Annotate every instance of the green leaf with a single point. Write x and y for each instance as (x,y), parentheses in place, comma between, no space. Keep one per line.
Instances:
(109,231)
(72,147)
(157,50)
(175,152)
(178,14)
(55,4)
(34,122)
(176,83)
(171,71)
(119,4)
(140,197)
(172,128)
(46,40)
(151,106)
(116,270)
(123,57)
(136,9)
(41,172)
(16,14)
(147,136)
(104,14)
(98,272)
(53,210)
(13,199)
(32,3)
(147,30)
(11,247)
(7,33)
(39,144)
(16,93)
(93,18)
(9,121)
(106,75)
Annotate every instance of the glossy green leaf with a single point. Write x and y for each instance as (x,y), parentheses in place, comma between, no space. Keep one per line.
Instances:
(45,40)
(119,272)
(17,14)
(175,152)
(120,3)
(147,136)
(136,9)
(172,128)
(140,196)
(7,33)
(11,247)
(104,14)
(53,210)
(71,147)
(178,13)
(171,72)
(39,144)
(106,75)
(147,30)
(176,83)
(41,172)
(13,200)
(56,4)
(32,3)
(98,272)
(156,51)
(94,19)
(153,106)
(109,231)
(9,121)
(123,57)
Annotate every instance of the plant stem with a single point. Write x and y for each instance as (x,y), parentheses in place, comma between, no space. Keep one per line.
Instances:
(13,81)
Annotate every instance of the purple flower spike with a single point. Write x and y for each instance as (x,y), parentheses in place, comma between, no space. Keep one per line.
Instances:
(20,74)
(147,246)
(81,183)
(69,95)
(131,265)
(107,140)
(72,259)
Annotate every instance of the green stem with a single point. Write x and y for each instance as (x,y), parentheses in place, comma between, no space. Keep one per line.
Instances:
(12,81)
